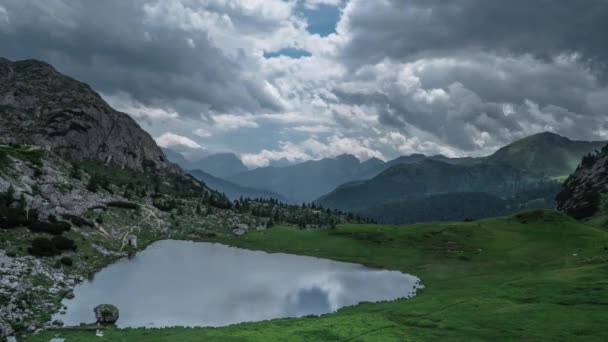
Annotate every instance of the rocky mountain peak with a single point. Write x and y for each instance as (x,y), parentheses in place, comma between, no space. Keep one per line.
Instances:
(580,196)
(41,106)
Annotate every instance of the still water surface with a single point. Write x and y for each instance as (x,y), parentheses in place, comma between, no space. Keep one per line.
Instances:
(181,283)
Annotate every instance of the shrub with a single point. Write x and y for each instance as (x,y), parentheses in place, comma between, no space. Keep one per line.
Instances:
(42,247)
(123,205)
(63,243)
(77,220)
(49,227)
(67,261)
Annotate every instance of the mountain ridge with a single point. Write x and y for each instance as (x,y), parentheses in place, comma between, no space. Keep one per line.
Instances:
(41,106)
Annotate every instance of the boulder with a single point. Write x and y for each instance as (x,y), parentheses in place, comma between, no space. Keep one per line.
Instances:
(106,314)
(5,329)
(58,323)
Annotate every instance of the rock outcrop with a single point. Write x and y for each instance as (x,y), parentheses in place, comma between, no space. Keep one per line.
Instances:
(106,314)
(40,106)
(580,196)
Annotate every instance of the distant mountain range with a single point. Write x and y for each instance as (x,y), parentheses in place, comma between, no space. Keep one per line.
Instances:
(222,165)
(307,181)
(518,176)
(546,155)
(234,191)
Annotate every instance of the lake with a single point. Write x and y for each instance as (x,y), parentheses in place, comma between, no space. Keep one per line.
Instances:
(181,283)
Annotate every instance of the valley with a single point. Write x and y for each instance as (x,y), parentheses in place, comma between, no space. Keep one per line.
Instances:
(303,171)
(538,275)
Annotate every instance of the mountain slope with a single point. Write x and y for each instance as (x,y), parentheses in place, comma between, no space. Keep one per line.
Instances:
(582,193)
(40,106)
(546,153)
(234,191)
(409,181)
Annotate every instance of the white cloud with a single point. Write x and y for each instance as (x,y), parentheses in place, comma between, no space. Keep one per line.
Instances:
(123,102)
(171,139)
(313,149)
(312,129)
(313,4)
(4,18)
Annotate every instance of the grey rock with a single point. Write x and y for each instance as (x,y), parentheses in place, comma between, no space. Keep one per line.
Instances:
(239,232)
(5,329)
(106,314)
(70,295)
(40,106)
(58,323)
(580,196)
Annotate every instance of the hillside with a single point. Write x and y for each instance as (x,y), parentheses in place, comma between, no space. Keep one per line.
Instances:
(426,177)
(583,192)
(40,106)
(234,191)
(546,153)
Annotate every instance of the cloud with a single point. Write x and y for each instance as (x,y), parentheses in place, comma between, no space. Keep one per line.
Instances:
(395,77)
(122,46)
(172,140)
(411,29)
(125,103)
(314,4)
(313,149)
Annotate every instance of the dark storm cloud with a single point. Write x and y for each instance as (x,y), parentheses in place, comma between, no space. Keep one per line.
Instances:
(402,29)
(476,73)
(111,45)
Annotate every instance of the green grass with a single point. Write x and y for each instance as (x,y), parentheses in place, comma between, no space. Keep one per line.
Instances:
(24,153)
(537,276)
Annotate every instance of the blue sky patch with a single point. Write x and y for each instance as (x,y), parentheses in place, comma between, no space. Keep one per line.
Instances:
(289,52)
(322,19)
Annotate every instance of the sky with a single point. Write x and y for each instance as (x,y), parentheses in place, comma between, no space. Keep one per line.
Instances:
(294,80)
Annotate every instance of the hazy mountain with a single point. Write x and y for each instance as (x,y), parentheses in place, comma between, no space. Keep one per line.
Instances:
(426,177)
(220,165)
(177,158)
(306,181)
(234,191)
(518,174)
(40,106)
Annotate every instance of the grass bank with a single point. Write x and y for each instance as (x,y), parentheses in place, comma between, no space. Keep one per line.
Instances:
(537,276)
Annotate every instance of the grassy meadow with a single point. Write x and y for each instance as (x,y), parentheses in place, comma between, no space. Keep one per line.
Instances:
(535,276)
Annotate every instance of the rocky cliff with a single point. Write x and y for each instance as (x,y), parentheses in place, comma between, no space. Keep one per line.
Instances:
(40,106)
(581,194)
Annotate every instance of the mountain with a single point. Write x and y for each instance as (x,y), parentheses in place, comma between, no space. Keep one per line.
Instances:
(517,176)
(177,158)
(427,177)
(40,106)
(306,181)
(546,153)
(583,192)
(221,165)
(234,191)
